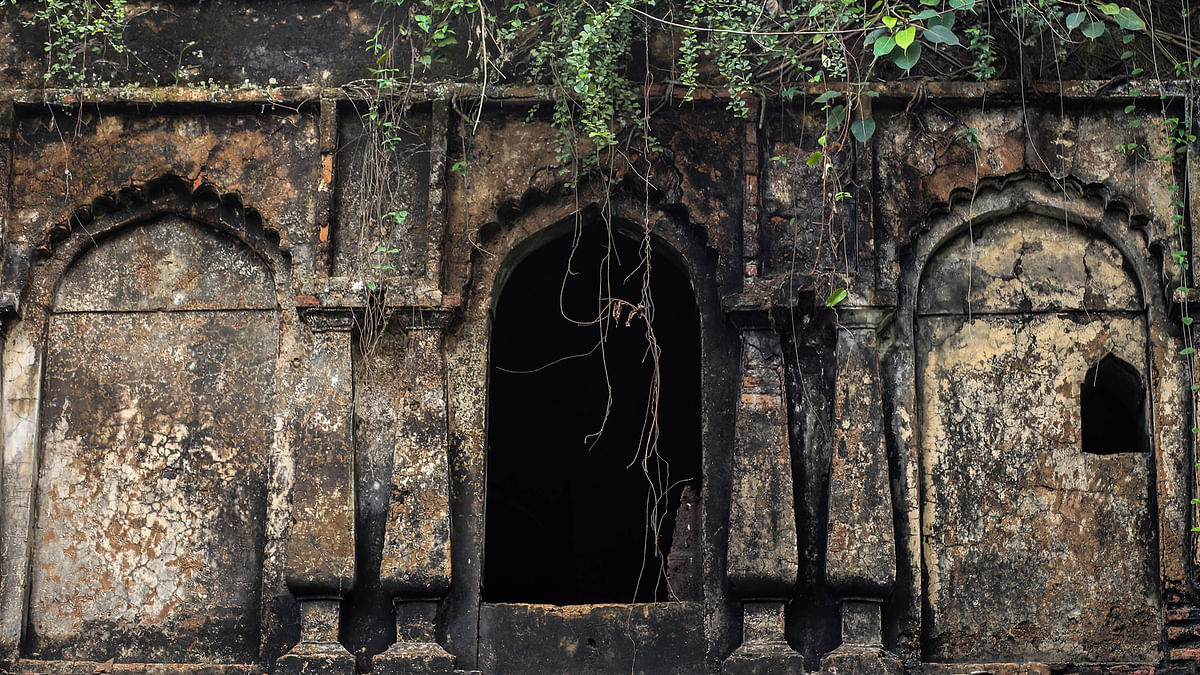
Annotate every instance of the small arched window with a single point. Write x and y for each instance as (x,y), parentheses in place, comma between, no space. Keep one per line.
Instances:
(1112,403)
(577,511)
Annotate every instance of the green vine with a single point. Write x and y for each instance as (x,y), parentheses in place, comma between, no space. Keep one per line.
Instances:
(79,36)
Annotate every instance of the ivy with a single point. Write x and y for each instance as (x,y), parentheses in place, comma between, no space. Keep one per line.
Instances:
(596,52)
(79,35)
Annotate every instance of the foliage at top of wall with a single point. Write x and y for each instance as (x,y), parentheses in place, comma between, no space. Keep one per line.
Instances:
(600,53)
(78,34)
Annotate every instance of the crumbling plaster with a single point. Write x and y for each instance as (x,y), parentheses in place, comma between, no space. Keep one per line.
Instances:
(365,488)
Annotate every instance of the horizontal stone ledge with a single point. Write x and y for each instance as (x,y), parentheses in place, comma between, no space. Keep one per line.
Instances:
(296,96)
(91,667)
(1037,668)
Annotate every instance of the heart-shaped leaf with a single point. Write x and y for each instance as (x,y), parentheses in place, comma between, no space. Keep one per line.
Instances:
(863,129)
(1129,21)
(884,46)
(907,58)
(837,115)
(940,35)
(827,97)
(946,20)
(905,37)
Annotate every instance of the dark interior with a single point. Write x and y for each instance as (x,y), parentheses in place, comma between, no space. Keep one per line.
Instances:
(1113,407)
(570,495)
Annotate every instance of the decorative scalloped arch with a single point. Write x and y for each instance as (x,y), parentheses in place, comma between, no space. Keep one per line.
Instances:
(1087,206)
(202,202)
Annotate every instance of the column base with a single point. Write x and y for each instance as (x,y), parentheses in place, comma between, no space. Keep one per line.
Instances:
(316,658)
(764,650)
(860,660)
(415,658)
(764,658)
(318,652)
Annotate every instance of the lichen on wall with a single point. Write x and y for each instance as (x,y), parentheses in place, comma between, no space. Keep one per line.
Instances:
(1033,549)
(151,495)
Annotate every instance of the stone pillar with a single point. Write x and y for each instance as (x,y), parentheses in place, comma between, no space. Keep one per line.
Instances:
(320,556)
(860,560)
(763,558)
(415,567)
(20,414)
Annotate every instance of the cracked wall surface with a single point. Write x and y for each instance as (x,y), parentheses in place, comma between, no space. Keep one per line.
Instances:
(240,437)
(151,499)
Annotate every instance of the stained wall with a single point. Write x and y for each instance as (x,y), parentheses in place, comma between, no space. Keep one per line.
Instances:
(237,436)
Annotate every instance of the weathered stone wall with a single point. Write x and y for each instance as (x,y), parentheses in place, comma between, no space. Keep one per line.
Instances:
(239,439)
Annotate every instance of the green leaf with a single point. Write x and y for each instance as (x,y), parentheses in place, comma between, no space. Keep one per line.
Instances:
(946,20)
(1074,20)
(905,38)
(930,3)
(907,58)
(1109,8)
(1093,30)
(884,46)
(1129,21)
(940,35)
(1187,320)
(1195,501)
(813,159)
(1129,109)
(889,21)
(923,15)
(835,297)
(827,97)
(1187,351)
(967,5)
(863,129)
(837,115)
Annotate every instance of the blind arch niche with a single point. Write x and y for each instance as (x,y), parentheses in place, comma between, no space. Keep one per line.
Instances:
(1011,315)
(151,494)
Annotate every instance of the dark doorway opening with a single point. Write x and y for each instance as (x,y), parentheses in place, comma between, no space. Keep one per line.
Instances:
(570,494)
(1112,403)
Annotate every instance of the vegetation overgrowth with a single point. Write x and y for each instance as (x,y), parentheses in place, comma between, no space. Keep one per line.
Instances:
(599,58)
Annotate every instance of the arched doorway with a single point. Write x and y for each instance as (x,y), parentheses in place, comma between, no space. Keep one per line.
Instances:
(594,450)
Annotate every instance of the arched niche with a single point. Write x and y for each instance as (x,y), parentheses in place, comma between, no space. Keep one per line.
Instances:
(1031,549)
(148,519)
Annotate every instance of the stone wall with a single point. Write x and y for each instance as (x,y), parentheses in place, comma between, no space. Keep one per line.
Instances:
(237,440)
